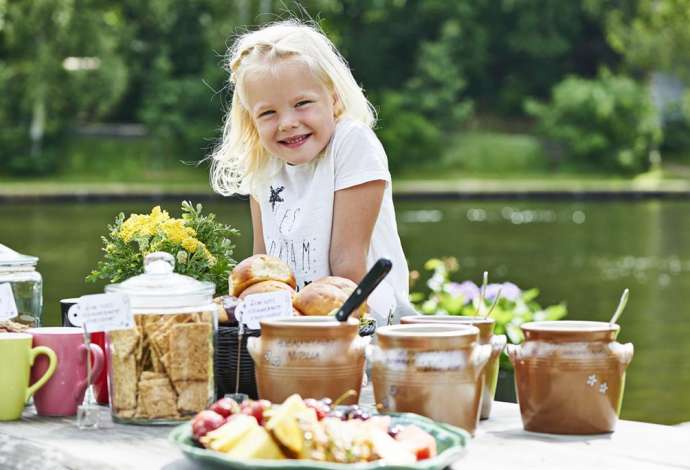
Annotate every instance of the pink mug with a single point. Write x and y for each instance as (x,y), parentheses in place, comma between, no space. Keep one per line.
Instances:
(64,392)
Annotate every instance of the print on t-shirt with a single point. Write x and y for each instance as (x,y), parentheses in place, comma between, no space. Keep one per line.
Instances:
(275,196)
(298,253)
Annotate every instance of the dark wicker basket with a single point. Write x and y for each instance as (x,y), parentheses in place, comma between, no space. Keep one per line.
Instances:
(225,363)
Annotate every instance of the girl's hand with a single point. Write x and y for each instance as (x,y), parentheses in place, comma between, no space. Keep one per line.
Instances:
(355,211)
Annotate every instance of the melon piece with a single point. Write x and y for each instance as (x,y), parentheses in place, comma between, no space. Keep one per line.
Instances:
(390,450)
(228,435)
(284,424)
(416,440)
(256,444)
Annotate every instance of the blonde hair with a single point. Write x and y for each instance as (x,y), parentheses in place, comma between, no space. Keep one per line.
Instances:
(239,162)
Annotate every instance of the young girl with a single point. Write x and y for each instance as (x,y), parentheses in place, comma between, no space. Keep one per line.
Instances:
(298,139)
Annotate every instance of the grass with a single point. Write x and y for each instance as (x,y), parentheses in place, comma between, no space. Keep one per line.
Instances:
(475,160)
(479,154)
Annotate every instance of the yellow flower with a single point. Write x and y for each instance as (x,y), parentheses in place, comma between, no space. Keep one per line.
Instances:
(142,225)
(176,231)
(191,244)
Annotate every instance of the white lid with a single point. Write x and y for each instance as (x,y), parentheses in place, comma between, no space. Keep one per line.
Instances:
(160,287)
(9,257)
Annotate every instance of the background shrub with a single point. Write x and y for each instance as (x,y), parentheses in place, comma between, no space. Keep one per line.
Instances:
(609,122)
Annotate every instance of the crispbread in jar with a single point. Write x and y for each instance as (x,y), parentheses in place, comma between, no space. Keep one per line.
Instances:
(161,371)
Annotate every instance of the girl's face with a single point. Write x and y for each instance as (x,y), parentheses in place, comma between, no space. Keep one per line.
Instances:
(292,109)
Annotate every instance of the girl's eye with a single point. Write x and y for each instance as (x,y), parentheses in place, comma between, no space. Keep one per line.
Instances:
(266,113)
(303,103)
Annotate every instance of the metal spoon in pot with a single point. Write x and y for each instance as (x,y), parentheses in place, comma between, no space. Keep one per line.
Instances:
(621,306)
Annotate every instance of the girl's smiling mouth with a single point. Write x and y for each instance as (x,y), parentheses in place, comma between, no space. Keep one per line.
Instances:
(295,141)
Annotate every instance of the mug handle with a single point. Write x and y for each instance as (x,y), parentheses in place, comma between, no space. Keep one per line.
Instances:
(625,355)
(513,351)
(498,343)
(52,365)
(480,358)
(97,353)
(253,345)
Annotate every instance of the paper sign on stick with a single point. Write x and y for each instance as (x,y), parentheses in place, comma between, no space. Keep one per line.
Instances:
(8,308)
(269,305)
(102,312)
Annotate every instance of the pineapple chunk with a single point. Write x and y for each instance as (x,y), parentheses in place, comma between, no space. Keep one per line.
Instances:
(228,435)
(256,444)
(284,424)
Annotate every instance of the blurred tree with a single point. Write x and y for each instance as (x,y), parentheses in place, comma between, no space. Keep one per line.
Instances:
(607,123)
(175,51)
(653,36)
(58,64)
(650,34)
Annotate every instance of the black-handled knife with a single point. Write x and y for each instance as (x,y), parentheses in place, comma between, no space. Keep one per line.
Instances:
(378,271)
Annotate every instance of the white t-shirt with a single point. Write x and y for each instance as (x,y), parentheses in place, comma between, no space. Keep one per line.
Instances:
(297,214)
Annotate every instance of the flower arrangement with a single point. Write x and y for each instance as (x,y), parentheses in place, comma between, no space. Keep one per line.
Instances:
(201,245)
(513,308)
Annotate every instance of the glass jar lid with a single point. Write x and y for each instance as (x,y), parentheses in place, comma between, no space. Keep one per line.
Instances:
(161,288)
(10,258)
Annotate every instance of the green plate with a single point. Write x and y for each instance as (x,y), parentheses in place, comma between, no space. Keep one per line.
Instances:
(451,444)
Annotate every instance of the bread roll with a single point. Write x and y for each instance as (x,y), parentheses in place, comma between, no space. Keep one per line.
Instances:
(259,268)
(268,286)
(344,284)
(348,287)
(324,295)
(319,299)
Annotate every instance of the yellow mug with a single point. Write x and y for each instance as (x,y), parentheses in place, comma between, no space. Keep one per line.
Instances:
(16,358)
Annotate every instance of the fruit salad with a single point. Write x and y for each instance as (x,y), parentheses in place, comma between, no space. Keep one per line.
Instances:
(308,429)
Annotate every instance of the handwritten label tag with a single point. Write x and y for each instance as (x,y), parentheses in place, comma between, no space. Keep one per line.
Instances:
(8,308)
(269,305)
(102,312)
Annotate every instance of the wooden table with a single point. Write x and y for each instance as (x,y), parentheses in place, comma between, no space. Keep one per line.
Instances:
(500,442)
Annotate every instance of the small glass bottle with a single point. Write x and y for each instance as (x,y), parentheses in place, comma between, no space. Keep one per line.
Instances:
(19,271)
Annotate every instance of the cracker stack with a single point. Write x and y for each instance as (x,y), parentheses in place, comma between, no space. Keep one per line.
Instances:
(162,369)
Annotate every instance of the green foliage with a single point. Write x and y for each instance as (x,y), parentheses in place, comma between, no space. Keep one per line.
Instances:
(41,95)
(409,138)
(650,34)
(178,114)
(415,119)
(495,153)
(610,122)
(513,308)
(160,63)
(201,245)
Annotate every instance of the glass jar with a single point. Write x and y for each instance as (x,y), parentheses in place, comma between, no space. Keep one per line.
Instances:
(27,284)
(161,371)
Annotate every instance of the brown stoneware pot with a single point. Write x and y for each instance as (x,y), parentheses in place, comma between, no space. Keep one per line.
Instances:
(486,336)
(570,376)
(432,370)
(314,356)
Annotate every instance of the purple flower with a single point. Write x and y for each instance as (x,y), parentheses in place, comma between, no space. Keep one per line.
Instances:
(492,291)
(509,291)
(467,289)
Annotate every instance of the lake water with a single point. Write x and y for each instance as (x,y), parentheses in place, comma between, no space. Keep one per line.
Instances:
(583,253)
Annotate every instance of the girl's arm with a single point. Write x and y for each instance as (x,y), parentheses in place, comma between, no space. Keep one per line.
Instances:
(355,210)
(257,228)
